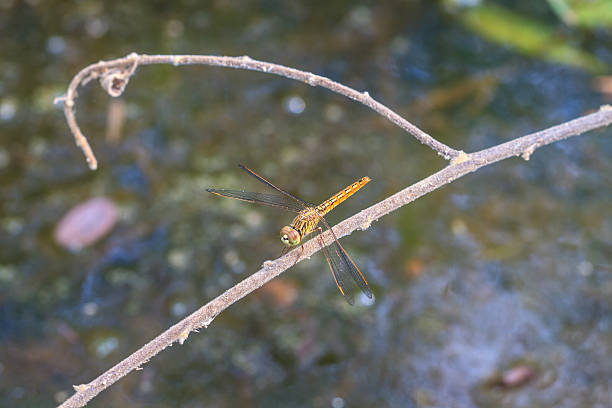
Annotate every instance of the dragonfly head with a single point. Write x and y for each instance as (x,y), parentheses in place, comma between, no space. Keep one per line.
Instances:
(290,236)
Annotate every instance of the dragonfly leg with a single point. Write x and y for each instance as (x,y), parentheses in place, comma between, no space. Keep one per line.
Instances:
(287,249)
(302,251)
(299,255)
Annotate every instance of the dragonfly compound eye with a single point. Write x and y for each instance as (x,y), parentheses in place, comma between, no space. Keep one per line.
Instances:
(289,236)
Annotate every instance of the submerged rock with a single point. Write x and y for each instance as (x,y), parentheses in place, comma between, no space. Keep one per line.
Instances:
(86,223)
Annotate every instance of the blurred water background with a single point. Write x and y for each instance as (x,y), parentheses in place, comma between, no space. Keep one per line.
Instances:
(495,291)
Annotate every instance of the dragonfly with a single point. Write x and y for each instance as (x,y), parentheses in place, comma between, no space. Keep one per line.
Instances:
(308,220)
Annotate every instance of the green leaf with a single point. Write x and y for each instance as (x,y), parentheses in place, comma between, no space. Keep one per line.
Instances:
(528,37)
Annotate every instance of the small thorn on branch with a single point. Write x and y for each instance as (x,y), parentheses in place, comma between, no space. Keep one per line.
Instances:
(183,336)
(526,154)
(80,387)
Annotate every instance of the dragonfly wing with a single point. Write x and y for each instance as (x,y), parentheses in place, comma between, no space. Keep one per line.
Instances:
(272,186)
(273,200)
(344,269)
(340,274)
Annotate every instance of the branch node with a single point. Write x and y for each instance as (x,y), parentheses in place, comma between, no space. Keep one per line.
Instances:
(89,77)
(59,99)
(462,157)
(366,224)
(114,80)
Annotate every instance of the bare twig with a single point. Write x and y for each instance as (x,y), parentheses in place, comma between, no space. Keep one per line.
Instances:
(114,76)
(464,164)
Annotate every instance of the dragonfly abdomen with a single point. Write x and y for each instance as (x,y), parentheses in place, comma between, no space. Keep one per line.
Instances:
(328,205)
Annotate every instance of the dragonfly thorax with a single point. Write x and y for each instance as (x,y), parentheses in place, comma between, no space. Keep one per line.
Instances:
(290,236)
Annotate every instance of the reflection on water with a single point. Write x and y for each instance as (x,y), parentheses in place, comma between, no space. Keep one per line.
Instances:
(494,291)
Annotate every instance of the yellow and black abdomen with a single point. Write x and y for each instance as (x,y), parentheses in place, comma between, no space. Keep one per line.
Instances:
(308,219)
(341,195)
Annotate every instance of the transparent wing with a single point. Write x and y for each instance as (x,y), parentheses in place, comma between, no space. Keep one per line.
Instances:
(343,268)
(273,200)
(272,186)
(341,278)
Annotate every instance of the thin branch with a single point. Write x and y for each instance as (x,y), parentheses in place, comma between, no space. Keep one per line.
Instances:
(115,74)
(462,165)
